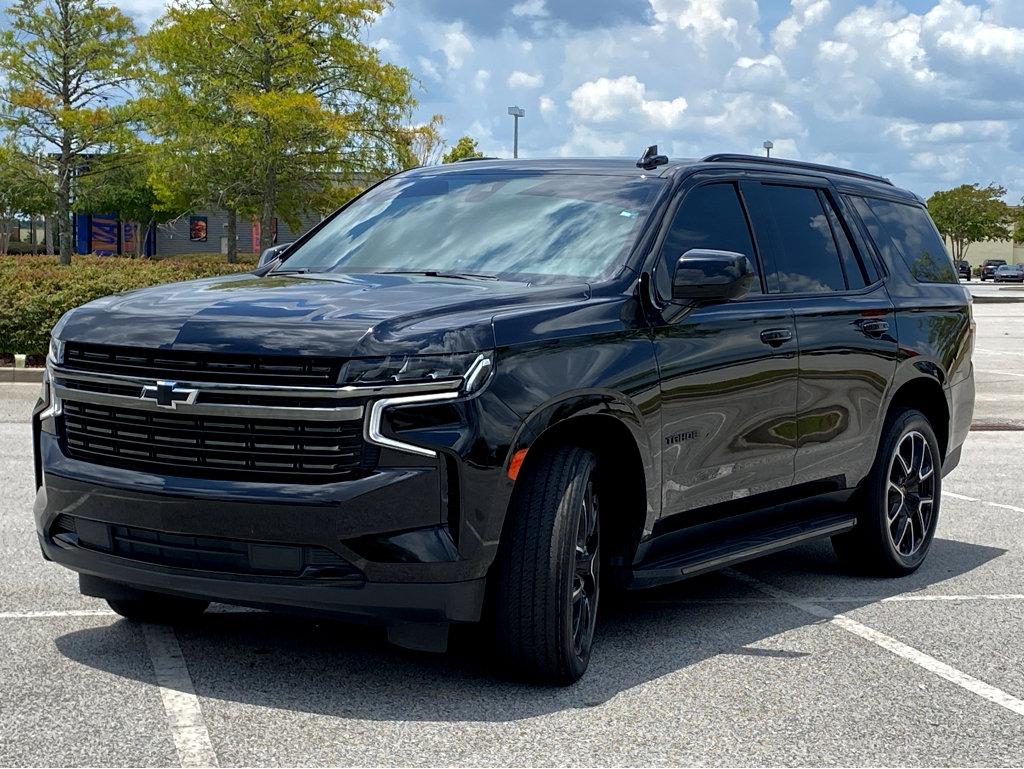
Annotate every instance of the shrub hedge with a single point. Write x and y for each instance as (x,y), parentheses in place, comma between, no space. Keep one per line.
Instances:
(35,290)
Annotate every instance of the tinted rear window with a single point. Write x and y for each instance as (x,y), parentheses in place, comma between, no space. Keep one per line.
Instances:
(913,235)
(807,260)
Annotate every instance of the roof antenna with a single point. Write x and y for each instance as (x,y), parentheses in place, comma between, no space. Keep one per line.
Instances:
(651,159)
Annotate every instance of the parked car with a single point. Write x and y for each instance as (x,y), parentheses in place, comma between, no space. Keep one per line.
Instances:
(1009,273)
(504,389)
(964,269)
(988,269)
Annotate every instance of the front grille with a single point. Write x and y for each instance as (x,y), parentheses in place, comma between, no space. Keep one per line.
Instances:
(228,556)
(203,366)
(169,443)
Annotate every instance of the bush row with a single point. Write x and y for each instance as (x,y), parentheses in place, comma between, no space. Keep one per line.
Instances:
(35,290)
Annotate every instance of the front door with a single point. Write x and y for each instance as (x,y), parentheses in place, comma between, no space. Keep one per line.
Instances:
(728,370)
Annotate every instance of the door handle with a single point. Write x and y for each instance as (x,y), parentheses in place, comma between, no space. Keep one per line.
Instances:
(776,336)
(874,327)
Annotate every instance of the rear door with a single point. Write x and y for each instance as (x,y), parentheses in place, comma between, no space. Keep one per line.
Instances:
(728,370)
(845,325)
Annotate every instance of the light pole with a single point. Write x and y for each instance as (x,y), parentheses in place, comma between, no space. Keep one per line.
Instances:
(768,147)
(516,113)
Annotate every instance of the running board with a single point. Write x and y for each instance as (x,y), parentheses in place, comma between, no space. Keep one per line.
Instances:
(753,544)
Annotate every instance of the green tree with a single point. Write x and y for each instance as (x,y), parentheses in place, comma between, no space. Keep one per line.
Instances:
(464,148)
(24,190)
(969,214)
(1018,230)
(284,100)
(67,65)
(424,144)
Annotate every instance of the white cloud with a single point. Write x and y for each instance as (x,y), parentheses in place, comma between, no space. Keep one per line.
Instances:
(530,8)
(520,79)
(604,100)
(916,95)
(456,46)
(427,67)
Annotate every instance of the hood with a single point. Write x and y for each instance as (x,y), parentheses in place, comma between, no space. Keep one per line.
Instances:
(323,315)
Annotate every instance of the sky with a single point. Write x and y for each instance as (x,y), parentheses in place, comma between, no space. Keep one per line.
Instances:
(927,92)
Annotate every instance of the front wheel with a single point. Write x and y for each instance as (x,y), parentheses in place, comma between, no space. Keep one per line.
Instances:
(900,501)
(548,571)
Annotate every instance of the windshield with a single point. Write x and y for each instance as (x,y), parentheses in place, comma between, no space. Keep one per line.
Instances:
(518,226)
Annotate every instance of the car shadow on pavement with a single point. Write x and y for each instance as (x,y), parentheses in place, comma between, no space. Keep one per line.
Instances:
(325,667)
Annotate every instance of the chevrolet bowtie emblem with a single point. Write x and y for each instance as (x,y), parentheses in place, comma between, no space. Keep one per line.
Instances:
(168,394)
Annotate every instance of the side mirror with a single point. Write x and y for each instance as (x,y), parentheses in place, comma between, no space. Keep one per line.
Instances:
(711,276)
(272,253)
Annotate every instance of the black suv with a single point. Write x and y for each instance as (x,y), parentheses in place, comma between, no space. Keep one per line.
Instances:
(500,390)
(988,269)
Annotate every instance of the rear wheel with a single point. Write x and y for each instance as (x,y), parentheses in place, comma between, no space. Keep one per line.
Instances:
(900,501)
(548,575)
(157,607)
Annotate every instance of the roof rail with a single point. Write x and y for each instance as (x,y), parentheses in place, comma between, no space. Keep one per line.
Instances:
(736,158)
(470,160)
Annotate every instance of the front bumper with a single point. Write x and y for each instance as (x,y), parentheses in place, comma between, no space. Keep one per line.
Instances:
(407,565)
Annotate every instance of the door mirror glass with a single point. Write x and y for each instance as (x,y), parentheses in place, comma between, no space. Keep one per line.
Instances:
(272,253)
(712,276)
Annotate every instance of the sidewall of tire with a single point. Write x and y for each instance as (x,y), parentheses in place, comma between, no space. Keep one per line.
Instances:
(875,524)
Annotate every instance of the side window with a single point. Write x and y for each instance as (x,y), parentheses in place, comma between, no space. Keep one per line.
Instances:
(913,235)
(711,216)
(806,259)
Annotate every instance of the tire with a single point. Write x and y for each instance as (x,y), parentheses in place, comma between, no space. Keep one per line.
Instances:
(157,607)
(896,521)
(548,570)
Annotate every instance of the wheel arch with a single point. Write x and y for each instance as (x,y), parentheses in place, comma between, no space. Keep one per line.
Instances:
(613,427)
(925,393)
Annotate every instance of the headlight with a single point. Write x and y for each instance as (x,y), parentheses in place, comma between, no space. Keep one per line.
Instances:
(471,368)
(56,354)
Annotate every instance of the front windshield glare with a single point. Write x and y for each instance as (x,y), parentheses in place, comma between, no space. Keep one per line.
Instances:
(518,226)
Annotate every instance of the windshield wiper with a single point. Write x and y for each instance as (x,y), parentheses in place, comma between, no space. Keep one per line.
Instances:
(442,274)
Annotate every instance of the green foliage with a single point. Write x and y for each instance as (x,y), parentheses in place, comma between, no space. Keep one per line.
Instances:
(969,214)
(1018,230)
(423,145)
(272,107)
(35,291)
(67,64)
(24,189)
(464,148)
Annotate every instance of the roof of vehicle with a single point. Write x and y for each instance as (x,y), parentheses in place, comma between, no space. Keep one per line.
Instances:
(844,178)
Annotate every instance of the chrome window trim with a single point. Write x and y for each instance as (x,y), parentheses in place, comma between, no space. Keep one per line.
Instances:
(375,419)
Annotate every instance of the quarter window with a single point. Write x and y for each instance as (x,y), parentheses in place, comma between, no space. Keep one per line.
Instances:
(711,217)
(912,233)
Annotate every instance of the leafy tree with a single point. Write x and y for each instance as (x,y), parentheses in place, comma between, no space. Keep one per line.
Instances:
(294,106)
(969,214)
(24,190)
(464,148)
(424,144)
(1018,231)
(67,64)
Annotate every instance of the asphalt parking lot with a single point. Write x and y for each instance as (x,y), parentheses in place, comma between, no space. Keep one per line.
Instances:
(782,661)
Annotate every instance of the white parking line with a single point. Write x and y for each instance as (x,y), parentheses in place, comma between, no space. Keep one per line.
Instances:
(58,613)
(964,497)
(184,715)
(998,352)
(857,599)
(998,373)
(909,653)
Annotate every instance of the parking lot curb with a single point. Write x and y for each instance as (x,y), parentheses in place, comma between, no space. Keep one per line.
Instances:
(21,375)
(998,299)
